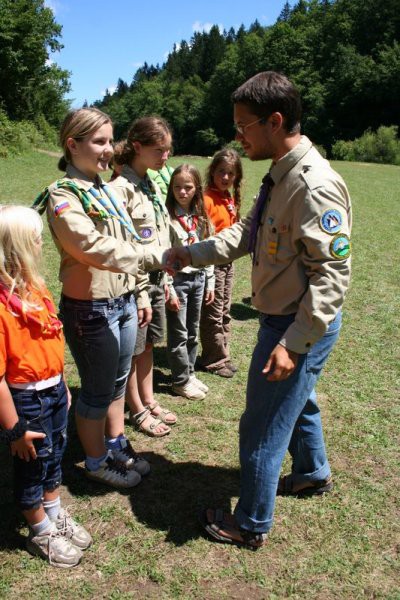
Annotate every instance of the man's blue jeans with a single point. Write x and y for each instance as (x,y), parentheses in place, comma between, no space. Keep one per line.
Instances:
(279,416)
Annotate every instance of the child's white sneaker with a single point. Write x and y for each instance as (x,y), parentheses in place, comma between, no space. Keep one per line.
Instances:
(114,473)
(189,390)
(202,386)
(72,531)
(54,547)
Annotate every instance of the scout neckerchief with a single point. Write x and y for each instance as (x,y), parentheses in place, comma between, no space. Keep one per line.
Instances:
(115,209)
(189,224)
(263,194)
(228,202)
(96,206)
(14,303)
(166,179)
(147,187)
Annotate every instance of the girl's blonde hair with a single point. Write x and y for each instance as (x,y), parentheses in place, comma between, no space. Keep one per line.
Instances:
(77,125)
(20,231)
(197,205)
(147,131)
(232,158)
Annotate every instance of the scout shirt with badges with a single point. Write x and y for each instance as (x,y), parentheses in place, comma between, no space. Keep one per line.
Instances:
(150,219)
(302,256)
(187,229)
(99,256)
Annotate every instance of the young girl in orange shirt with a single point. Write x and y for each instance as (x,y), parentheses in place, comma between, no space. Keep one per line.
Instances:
(33,396)
(224,173)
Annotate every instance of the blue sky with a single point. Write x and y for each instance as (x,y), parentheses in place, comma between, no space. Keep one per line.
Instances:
(107,39)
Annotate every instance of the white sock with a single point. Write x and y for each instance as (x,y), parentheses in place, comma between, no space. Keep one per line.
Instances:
(52,508)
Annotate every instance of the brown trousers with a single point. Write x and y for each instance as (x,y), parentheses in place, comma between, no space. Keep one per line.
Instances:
(215,321)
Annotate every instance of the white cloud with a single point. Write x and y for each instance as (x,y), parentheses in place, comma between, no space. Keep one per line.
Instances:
(198,26)
(53,5)
(111,89)
(137,65)
(49,62)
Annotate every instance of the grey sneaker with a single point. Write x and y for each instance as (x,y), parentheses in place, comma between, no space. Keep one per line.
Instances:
(189,390)
(54,547)
(130,459)
(114,473)
(202,386)
(72,531)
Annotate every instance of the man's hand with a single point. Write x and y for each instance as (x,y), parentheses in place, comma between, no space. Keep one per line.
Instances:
(209,297)
(144,316)
(23,447)
(173,304)
(281,364)
(176,259)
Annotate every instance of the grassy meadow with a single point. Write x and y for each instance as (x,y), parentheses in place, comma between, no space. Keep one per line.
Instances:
(148,544)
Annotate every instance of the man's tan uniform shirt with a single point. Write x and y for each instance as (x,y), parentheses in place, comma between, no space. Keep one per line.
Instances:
(301,262)
(99,258)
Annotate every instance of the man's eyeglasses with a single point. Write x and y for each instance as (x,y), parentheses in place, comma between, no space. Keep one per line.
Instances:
(240,129)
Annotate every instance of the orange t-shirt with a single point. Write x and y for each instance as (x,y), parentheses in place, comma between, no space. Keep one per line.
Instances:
(26,354)
(217,209)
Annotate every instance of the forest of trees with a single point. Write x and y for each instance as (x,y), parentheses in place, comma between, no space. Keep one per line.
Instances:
(344,56)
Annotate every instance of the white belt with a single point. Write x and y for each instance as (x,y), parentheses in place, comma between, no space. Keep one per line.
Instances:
(37,385)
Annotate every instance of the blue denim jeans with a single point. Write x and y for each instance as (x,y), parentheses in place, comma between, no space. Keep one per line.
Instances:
(183,326)
(101,335)
(46,412)
(280,416)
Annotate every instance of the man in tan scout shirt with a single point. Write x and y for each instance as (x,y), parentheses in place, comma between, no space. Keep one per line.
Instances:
(298,235)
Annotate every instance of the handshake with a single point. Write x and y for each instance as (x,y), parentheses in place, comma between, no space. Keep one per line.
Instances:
(176,259)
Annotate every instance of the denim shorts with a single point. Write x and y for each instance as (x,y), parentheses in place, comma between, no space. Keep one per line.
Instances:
(101,335)
(46,412)
(154,332)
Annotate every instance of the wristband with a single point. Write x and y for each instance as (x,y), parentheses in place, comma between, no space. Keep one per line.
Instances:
(10,435)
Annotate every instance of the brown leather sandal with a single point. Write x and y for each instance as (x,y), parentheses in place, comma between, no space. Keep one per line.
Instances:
(222,527)
(288,487)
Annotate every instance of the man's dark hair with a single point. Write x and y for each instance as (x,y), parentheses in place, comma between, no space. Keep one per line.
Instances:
(270,92)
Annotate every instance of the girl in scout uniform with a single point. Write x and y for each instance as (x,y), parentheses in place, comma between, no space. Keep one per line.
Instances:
(225,172)
(190,223)
(147,146)
(99,273)
(33,395)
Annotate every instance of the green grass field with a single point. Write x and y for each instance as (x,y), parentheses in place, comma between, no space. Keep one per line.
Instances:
(148,544)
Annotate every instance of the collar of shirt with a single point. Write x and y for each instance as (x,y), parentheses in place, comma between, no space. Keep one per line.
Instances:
(131,175)
(287,162)
(83,180)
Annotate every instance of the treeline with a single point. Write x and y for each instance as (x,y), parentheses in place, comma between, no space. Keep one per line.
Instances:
(32,87)
(344,56)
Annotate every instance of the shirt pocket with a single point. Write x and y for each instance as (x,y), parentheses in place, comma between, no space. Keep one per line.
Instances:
(269,241)
(144,225)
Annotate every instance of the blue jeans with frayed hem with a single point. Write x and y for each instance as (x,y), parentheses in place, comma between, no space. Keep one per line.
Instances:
(279,416)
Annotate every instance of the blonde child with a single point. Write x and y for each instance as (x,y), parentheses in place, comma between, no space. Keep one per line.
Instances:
(190,223)
(224,173)
(33,395)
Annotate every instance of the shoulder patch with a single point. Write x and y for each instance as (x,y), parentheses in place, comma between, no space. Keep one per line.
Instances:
(61,207)
(340,246)
(331,221)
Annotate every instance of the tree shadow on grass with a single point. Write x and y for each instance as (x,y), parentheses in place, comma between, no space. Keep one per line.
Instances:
(243,311)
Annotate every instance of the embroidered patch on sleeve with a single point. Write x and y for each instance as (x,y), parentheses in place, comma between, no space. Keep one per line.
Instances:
(340,246)
(60,208)
(331,221)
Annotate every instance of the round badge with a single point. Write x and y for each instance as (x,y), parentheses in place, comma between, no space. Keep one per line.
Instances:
(146,233)
(331,221)
(340,246)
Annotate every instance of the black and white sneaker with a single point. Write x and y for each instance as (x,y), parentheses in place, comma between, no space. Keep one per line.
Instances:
(130,459)
(113,472)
